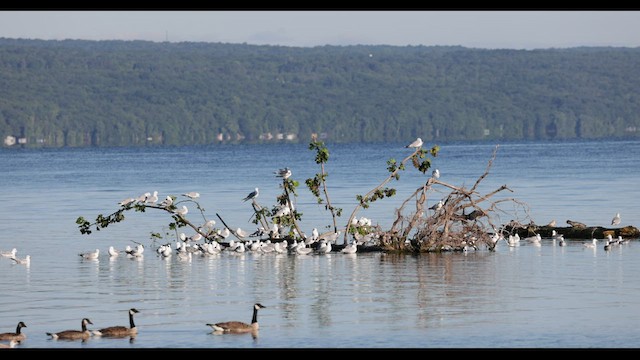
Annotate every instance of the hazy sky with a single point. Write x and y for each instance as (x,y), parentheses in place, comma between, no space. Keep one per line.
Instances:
(479,29)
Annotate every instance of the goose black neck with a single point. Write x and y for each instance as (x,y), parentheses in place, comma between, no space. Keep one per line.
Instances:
(254,319)
(131,324)
(84,326)
(18,329)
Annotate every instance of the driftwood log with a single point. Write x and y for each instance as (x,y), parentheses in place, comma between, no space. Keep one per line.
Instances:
(575,232)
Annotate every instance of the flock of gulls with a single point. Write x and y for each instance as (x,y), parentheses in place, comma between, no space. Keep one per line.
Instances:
(123,331)
(609,241)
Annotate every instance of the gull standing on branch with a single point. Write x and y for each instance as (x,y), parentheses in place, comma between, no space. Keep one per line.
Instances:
(616,219)
(284,173)
(252,195)
(416,144)
(183,211)
(192,195)
(435,174)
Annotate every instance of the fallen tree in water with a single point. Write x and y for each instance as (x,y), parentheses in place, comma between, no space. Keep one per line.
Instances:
(572,232)
(464,219)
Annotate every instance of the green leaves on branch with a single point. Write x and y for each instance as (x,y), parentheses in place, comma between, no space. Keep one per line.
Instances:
(376,195)
(425,164)
(314,185)
(322,153)
(101,221)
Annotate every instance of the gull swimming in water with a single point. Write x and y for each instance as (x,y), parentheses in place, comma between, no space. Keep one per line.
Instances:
(416,144)
(9,254)
(113,251)
(90,255)
(254,194)
(192,195)
(25,261)
(616,219)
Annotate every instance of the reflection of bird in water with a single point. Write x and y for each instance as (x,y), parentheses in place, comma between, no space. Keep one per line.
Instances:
(10,345)
(576,224)
(616,219)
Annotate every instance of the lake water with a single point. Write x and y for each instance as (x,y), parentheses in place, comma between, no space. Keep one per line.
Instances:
(522,297)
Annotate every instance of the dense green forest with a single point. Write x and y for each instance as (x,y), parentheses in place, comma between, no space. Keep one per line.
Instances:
(121,93)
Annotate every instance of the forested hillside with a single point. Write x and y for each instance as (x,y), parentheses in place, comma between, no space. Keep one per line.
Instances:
(120,93)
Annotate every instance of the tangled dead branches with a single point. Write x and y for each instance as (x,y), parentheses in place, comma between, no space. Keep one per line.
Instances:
(465,219)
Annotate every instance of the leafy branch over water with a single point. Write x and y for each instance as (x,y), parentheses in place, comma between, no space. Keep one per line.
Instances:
(463,219)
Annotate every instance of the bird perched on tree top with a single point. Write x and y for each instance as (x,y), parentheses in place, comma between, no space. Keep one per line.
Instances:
(416,144)
(252,195)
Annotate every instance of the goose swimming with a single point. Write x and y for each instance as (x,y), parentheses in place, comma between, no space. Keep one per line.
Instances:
(120,331)
(18,335)
(239,326)
(83,334)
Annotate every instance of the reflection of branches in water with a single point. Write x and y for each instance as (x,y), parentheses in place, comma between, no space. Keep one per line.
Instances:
(466,218)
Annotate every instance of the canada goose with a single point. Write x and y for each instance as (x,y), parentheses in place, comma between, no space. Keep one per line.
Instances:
(18,335)
(239,326)
(74,334)
(10,345)
(120,331)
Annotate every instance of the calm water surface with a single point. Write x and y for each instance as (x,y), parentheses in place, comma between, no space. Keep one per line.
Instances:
(547,296)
